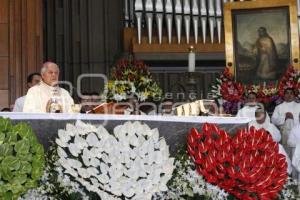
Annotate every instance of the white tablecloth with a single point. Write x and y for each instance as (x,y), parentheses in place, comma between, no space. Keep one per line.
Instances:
(75,116)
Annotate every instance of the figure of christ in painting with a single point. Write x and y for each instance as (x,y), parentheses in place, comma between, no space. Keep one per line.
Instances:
(267,57)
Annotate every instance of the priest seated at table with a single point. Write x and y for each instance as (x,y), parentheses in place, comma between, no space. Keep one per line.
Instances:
(47,96)
(262,122)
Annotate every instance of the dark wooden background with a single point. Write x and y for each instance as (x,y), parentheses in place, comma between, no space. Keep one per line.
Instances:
(83,36)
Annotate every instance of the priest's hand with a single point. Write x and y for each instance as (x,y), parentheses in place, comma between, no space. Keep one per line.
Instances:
(289,115)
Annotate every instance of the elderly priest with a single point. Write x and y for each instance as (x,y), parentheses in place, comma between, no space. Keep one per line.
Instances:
(47,96)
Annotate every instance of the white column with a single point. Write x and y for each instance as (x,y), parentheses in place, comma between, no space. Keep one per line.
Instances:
(203,12)
(149,18)
(138,7)
(169,18)
(211,14)
(187,19)
(219,18)
(159,18)
(195,13)
(178,19)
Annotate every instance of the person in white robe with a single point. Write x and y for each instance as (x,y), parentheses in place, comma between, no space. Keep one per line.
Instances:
(261,122)
(40,97)
(32,80)
(250,107)
(285,116)
(294,143)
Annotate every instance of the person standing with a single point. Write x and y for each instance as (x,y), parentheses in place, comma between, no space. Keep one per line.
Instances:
(32,80)
(286,115)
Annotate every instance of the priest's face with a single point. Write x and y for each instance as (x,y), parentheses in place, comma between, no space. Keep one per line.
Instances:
(35,80)
(260,117)
(289,95)
(50,76)
(251,101)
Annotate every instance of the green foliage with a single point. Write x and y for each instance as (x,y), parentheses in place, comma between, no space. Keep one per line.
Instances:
(21,159)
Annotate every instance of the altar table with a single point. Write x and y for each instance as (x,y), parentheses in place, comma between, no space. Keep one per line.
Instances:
(172,128)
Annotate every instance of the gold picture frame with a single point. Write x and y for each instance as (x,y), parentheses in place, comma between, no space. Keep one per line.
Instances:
(261,39)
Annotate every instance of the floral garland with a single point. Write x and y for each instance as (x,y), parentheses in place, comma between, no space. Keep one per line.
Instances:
(131,77)
(247,165)
(232,92)
(289,80)
(132,163)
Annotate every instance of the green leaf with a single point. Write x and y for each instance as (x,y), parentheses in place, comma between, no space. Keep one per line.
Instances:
(5,124)
(5,150)
(31,184)
(23,130)
(2,137)
(22,146)
(37,170)
(20,179)
(11,162)
(8,195)
(37,148)
(25,168)
(24,157)
(6,173)
(11,138)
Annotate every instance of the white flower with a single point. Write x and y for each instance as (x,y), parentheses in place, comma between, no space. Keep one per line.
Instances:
(61,152)
(120,97)
(131,162)
(92,140)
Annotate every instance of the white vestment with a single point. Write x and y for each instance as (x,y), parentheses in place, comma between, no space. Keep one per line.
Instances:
(249,111)
(271,128)
(294,136)
(278,117)
(293,143)
(19,104)
(38,96)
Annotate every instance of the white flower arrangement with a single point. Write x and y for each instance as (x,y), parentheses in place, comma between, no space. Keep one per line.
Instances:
(132,163)
(187,183)
(290,190)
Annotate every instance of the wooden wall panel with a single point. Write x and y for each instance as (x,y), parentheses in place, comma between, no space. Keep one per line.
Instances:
(4,11)
(4,39)
(21,35)
(4,100)
(4,73)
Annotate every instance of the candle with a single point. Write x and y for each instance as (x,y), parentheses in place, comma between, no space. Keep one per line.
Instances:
(192,59)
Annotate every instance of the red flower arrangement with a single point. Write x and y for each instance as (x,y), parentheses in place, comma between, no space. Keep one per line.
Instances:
(230,89)
(246,165)
(129,70)
(265,93)
(289,80)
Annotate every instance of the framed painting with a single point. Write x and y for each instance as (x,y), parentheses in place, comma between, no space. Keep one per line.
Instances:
(261,39)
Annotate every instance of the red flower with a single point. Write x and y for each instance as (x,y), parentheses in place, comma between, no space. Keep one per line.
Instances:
(246,165)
